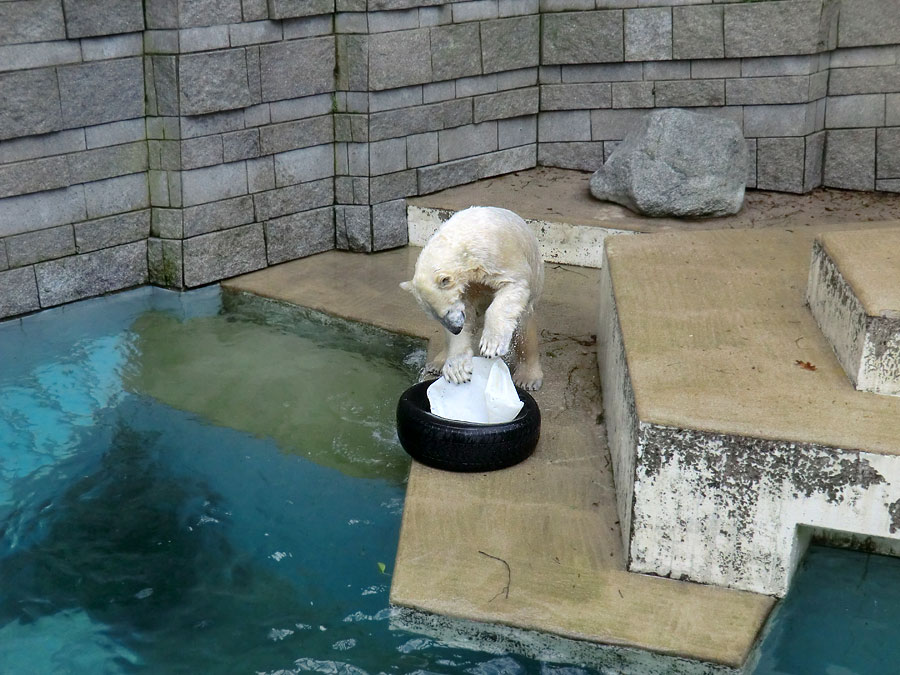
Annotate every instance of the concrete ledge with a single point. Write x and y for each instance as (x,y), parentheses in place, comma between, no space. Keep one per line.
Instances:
(733,430)
(572,226)
(502,639)
(854,294)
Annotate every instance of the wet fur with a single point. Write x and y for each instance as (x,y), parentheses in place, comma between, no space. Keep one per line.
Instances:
(484,262)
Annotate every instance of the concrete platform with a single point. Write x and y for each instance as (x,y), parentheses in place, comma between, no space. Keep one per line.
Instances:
(854,294)
(735,433)
(545,531)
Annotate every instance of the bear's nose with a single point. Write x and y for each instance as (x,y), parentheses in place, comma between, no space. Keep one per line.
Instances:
(453,321)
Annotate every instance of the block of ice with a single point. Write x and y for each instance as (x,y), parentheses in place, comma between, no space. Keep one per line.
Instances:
(490,397)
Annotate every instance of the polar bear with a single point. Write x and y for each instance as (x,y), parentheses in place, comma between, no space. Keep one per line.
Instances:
(483,261)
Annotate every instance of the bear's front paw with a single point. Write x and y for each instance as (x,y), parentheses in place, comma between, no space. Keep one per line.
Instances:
(433,368)
(458,369)
(494,344)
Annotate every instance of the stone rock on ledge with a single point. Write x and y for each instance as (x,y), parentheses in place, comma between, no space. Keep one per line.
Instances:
(677,163)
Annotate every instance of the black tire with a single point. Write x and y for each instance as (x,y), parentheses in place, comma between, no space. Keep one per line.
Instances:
(465,446)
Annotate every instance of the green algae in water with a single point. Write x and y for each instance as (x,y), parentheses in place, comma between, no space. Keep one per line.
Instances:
(331,403)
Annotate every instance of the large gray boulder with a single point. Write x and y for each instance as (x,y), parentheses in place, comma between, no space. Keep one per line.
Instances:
(677,163)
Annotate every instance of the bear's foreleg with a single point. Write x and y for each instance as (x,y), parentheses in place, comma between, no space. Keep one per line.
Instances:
(436,365)
(501,318)
(458,365)
(528,374)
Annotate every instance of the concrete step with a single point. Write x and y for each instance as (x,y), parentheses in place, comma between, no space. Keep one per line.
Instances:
(560,242)
(735,435)
(854,295)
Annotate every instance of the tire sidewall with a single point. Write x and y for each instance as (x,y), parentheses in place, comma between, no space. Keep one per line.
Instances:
(452,445)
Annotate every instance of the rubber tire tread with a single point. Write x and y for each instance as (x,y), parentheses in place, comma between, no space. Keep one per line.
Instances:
(463,446)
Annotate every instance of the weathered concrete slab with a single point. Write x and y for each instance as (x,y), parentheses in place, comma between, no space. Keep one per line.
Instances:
(562,195)
(854,295)
(732,426)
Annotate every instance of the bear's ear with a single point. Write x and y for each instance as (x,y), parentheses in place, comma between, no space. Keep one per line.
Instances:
(444,280)
(406,286)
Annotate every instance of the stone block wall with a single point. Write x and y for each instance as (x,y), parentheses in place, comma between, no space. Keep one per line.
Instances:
(429,95)
(813,84)
(240,132)
(74,205)
(182,142)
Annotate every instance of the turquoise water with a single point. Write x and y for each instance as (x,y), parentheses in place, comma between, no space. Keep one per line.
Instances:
(841,617)
(184,490)
(136,536)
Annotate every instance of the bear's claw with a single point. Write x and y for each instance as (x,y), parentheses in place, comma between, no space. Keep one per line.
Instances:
(492,345)
(528,385)
(458,369)
(433,368)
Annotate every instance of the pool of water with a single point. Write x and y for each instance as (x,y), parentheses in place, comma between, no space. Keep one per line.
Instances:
(184,490)
(841,617)
(189,490)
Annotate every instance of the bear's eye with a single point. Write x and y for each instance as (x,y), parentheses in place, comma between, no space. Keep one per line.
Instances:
(444,281)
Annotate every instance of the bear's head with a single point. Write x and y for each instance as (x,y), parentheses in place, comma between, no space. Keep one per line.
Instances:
(439,293)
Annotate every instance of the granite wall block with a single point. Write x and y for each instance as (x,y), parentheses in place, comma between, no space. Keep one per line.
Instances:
(30,103)
(23,21)
(582,37)
(510,44)
(297,68)
(101,91)
(90,274)
(219,255)
(850,159)
(87,18)
(18,292)
(214,81)
(697,32)
(868,22)
(299,234)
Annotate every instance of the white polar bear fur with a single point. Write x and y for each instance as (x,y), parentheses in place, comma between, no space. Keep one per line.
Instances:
(483,260)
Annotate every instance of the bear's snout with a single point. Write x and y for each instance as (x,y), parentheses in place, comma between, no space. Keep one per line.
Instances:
(453,321)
